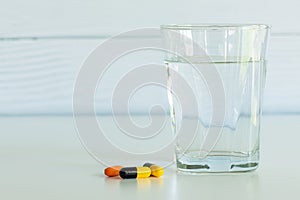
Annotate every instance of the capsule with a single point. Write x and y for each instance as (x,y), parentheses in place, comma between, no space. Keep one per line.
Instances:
(135,172)
(156,171)
(112,171)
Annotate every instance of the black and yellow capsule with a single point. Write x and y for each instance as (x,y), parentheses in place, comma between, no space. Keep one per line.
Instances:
(156,170)
(135,172)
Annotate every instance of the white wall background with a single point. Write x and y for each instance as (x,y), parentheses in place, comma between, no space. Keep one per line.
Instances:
(43,44)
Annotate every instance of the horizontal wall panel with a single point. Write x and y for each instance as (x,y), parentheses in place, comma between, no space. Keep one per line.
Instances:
(38,76)
(282,93)
(94,17)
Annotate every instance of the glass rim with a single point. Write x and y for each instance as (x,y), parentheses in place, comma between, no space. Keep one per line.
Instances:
(215,26)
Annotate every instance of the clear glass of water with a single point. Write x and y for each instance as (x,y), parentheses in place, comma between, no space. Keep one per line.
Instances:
(216,77)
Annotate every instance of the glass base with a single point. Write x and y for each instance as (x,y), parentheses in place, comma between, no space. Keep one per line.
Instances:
(217,162)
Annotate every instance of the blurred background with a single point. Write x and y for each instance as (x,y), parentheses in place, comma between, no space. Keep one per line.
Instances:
(44,43)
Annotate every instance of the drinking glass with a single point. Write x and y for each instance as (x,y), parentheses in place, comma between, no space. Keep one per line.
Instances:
(216,76)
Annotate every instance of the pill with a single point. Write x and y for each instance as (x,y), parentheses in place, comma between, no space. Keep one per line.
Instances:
(156,170)
(135,172)
(112,171)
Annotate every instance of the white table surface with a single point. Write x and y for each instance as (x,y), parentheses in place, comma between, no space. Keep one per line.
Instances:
(42,158)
